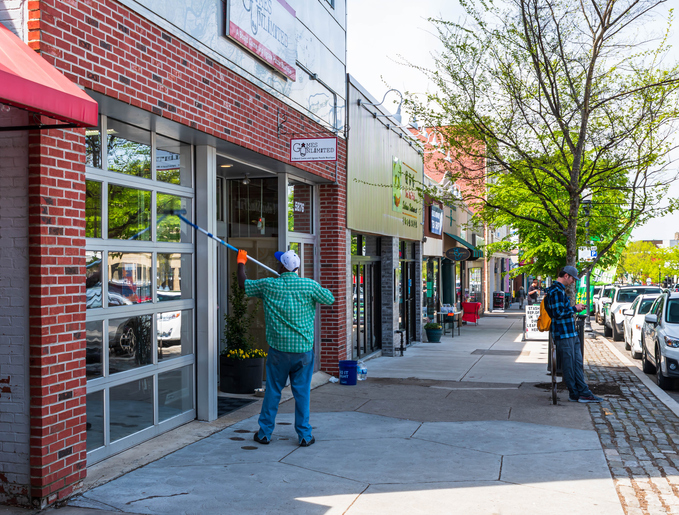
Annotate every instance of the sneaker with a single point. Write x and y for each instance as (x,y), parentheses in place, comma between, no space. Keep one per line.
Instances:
(261,439)
(573,399)
(590,398)
(307,443)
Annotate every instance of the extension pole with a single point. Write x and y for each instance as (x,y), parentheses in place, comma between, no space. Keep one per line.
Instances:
(179,214)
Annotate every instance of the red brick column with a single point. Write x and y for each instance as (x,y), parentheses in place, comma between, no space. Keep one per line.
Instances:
(333,260)
(56,196)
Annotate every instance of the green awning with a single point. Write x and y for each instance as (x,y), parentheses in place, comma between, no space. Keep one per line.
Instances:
(476,253)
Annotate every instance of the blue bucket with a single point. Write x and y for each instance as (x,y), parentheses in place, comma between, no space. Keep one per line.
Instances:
(347,372)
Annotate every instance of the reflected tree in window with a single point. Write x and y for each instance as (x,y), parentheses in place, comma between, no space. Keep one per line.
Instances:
(129,213)
(93,210)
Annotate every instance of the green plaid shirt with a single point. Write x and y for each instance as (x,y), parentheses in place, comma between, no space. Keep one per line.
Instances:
(289,309)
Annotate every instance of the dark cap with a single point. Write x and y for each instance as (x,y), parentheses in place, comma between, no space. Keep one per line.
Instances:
(572,271)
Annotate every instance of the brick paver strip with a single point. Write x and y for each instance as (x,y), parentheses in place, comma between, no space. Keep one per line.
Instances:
(638,434)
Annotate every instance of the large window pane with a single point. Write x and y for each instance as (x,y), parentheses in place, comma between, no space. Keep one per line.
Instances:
(175,392)
(93,209)
(300,207)
(174,277)
(93,147)
(129,213)
(170,228)
(95,420)
(253,208)
(94,355)
(131,408)
(93,283)
(308,269)
(173,161)
(129,343)
(129,149)
(129,278)
(174,331)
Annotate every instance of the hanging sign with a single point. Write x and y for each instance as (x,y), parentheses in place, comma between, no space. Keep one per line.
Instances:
(436,220)
(458,253)
(265,28)
(313,149)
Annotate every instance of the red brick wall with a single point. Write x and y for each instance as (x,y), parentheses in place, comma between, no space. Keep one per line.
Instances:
(103,46)
(56,213)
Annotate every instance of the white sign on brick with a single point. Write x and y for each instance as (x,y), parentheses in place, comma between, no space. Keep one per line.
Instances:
(313,149)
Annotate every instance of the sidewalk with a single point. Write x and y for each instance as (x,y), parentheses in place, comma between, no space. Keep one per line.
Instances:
(450,427)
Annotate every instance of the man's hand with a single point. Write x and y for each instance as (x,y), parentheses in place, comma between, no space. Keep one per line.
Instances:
(241,260)
(242,257)
(580,307)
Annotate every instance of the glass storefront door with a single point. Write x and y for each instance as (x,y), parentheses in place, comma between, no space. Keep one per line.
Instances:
(365,294)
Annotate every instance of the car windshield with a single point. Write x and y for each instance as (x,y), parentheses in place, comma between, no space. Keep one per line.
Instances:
(645,306)
(629,294)
(673,311)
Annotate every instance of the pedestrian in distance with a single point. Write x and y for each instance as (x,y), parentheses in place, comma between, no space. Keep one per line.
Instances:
(289,312)
(565,336)
(521,296)
(533,292)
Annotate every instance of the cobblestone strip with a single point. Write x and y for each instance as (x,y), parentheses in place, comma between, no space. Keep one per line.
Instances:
(638,434)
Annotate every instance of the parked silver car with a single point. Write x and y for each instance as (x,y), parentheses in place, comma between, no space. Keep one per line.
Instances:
(620,299)
(660,336)
(603,293)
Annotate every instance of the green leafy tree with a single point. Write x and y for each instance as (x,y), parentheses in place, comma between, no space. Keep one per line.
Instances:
(640,260)
(553,98)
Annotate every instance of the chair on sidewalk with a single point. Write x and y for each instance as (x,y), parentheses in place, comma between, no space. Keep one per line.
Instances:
(470,312)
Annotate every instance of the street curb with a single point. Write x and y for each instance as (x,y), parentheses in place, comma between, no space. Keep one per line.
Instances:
(655,389)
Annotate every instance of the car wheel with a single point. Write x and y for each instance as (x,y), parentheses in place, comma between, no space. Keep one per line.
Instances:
(608,332)
(614,331)
(627,344)
(661,379)
(128,341)
(646,365)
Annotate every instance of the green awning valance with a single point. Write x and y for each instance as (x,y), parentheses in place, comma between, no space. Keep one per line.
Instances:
(476,253)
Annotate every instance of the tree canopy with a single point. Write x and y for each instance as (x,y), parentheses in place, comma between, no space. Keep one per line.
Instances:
(557,100)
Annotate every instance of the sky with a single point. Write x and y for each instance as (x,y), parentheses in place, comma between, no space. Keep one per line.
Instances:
(381,34)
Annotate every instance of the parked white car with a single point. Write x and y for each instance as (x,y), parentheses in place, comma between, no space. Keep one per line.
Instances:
(598,311)
(660,334)
(634,321)
(621,298)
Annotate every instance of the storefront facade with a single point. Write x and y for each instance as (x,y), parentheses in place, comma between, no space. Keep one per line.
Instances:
(384,228)
(190,118)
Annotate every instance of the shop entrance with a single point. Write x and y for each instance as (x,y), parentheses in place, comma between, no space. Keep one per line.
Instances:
(365,292)
(407,299)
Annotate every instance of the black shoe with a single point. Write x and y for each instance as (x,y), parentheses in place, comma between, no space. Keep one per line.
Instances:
(307,443)
(263,440)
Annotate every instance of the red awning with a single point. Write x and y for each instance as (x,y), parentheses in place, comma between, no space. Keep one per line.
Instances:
(29,82)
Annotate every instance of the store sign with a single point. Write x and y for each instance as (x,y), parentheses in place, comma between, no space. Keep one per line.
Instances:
(313,149)
(458,254)
(404,198)
(266,28)
(436,220)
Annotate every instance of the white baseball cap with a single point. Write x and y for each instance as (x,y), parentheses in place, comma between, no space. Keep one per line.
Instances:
(289,259)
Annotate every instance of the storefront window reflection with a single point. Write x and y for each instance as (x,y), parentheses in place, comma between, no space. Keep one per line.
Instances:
(93,286)
(93,209)
(129,149)
(170,270)
(474,285)
(129,343)
(170,228)
(253,208)
(129,213)
(93,147)
(131,408)
(129,278)
(175,392)
(95,420)
(300,207)
(175,334)
(173,160)
(94,359)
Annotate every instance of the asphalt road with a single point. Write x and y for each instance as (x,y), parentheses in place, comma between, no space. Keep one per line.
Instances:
(599,329)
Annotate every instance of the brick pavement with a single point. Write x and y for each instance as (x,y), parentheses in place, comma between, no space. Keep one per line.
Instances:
(638,434)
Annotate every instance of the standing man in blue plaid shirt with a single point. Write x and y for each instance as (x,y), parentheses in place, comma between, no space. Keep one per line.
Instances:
(565,336)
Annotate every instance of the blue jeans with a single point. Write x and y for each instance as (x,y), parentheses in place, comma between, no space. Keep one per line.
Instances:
(571,366)
(279,365)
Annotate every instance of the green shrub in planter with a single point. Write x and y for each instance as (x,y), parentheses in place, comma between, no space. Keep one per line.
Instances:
(434,332)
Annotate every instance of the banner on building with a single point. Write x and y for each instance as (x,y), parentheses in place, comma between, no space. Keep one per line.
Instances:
(313,149)
(436,220)
(266,28)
